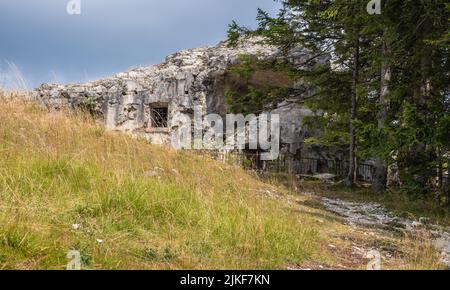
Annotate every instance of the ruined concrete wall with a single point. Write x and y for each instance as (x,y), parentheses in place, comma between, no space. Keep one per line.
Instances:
(186,80)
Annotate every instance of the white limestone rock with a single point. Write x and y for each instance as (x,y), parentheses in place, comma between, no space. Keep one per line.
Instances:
(185,80)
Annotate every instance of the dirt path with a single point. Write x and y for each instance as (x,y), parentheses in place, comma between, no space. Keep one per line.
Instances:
(374,217)
(365,235)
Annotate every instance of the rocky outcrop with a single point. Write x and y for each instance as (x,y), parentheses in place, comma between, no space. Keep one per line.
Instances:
(186,81)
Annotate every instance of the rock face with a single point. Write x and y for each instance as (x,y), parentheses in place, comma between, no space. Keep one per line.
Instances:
(151,102)
(186,80)
(292,133)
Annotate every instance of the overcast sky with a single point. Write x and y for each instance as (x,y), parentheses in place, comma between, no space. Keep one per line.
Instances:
(46,44)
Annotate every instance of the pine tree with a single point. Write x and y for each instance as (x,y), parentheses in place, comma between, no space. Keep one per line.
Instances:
(388,81)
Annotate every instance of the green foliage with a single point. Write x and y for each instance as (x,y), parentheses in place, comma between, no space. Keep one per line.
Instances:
(252,98)
(410,127)
(234,33)
(253,101)
(89,105)
(245,69)
(332,131)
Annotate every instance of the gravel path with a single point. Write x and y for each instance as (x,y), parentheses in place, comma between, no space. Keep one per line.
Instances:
(373,215)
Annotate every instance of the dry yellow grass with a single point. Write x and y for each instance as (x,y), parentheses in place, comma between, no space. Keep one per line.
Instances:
(61,169)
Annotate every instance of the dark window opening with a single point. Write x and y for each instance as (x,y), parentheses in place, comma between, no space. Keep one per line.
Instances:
(160,117)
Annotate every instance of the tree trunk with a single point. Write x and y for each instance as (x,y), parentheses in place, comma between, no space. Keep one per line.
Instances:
(446,186)
(351,177)
(440,171)
(420,158)
(380,175)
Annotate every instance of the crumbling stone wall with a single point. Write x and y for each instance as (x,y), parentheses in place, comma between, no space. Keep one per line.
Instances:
(185,81)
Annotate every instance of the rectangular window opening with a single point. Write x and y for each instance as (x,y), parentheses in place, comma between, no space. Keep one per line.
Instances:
(159,117)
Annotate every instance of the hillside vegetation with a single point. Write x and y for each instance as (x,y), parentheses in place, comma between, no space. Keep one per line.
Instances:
(137,205)
(66,184)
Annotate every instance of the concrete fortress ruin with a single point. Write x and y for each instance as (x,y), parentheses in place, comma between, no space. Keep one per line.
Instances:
(152,102)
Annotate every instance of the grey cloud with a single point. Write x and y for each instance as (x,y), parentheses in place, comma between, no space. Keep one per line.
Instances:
(111,35)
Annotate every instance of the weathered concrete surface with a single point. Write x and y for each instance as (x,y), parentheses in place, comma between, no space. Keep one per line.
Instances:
(186,81)
(291,119)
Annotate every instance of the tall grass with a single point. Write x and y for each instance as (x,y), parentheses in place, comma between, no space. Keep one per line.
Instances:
(66,184)
(12,77)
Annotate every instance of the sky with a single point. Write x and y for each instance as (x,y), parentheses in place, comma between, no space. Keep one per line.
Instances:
(41,42)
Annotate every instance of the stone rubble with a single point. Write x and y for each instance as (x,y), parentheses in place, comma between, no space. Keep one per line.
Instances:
(374,215)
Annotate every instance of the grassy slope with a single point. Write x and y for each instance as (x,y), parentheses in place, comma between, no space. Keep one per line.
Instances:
(58,170)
